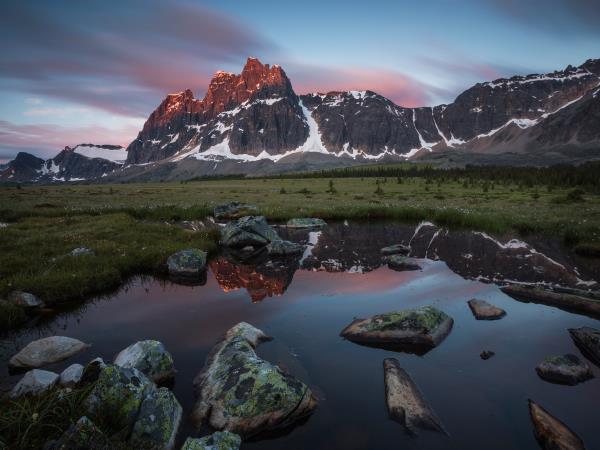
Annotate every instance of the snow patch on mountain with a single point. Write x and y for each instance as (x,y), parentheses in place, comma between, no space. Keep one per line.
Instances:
(91,151)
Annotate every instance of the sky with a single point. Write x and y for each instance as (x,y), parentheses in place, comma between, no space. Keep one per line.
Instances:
(85,71)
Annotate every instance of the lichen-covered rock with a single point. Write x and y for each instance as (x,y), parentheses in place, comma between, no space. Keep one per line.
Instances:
(564,369)
(157,422)
(483,310)
(248,231)
(234,210)
(411,329)
(25,299)
(71,376)
(306,222)
(247,332)
(401,263)
(242,393)
(92,371)
(284,248)
(46,351)
(34,382)
(82,435)
(397,249)
(219,440)
(188,264)
(149,357)
(550,432)
(588,341)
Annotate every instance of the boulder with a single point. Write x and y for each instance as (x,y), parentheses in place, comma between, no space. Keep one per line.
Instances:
(405,402)
(34,382)
(483,310)
(157,422)
(82,435)
(401,263)
(413,330)
(234,210)
(239,392)
(92,371)
(550,432)
(397,249)
(588,341)
(306,222)
(25,300)
(71,376)
(46,351)
(248,231)
(149,357)
(82,251)
(284,248)
(188,264)
(220,440)
(564,369)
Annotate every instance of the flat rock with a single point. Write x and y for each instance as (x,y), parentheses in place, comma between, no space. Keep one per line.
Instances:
(401,263)
(397,249)
(412,329)
(25,299)
(149,357)
(234,210)
(34,382)
(284,248)
(550,432)
(306,222)
(82,435)
(588,341)
(157,422)
(187,264)
(46,351)
(564,369)
(483,310)
(405,402)
(239,392)
(220,440)
(71,376)
(251,231)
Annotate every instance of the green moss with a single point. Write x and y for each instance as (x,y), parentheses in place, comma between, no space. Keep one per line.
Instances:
(220,440)
(11,315)
(426,317)
(562,360)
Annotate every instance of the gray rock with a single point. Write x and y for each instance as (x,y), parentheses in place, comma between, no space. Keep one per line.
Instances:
(82,435)
(248,231)
(483,310)
(588,341)
(242,393)
(25,299)
(157,422)
(306,223)
(414,330)
(402,263)
(564,369)
(405,402)
(551,433)
(34,382)
(234,210)
(284,248)
(82,251)
(46,351)
(397,249)
(149,357)
(220,440)
(71,376)
(187,264)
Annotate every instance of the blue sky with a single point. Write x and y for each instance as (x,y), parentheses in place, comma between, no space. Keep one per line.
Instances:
(92,71)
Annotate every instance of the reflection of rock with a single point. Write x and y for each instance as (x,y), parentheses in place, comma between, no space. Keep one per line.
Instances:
(401,263)
(588,341)
(249,231)
(396,249)
(564,369)
(306,223)
(482,310)
(46,351)
(261,280)
(284,248)
(550,432)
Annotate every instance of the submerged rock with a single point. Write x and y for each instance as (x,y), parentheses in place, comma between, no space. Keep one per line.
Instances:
(486,354)
(397,249)
(71,376)
(483,310)
(412,329)
(251,231)
(46,351)
(402,263)
(550,432)
(149,357)
(564,369)
(405,402)
(220,440)
(82,435)
(157,422)
(284,248)
(34,382)
(239,392)
(588,341)
(306,222)
(25,300)
(188,264)
(234,210)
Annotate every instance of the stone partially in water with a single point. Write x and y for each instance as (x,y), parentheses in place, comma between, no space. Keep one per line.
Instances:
(397,249)
(251,231)
(550,432)
(46,351)
(149,357)
(188,264)
(234,210)
(405,402)
(239,392)
(564,369)
(25,300)
(71,376)
(588,341)
(284,248)
(157,422)
(34,382)
(401,263)
(306,222)
(412,329)
(483,310)
(82,435)
(220,440)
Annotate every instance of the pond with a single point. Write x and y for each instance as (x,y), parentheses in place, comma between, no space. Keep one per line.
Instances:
(305,302)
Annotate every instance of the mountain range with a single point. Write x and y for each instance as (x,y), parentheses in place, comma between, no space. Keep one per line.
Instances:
(254,123)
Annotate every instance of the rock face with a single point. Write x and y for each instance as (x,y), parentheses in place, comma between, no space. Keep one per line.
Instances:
(250,231)
(413,329)
(220,440)
(187,265)
(82,435)
(564,369)
(402,263)
(46,351)
(550,432)
(397,249)
(25,299)
(34,382)
(71,376)
(149,357)
(306,223)
(405,402)
(234,210)
(588,341)
(239,392)
(482,310)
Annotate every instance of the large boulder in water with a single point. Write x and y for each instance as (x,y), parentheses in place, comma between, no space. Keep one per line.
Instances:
(588,341)
(234,210)
(413,330)
(34,382)
(46,351)
(250,231)
(157,422)
(149,357)
(219,440)
(239,392)
(187,265)
(564,369)
(550,432)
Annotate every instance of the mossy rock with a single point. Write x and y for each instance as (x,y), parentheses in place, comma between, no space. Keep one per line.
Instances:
(588,341)
(234,210)
(564,369)
(284,248)
(253,231)
(149,357)
(220,440)
(188,263)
